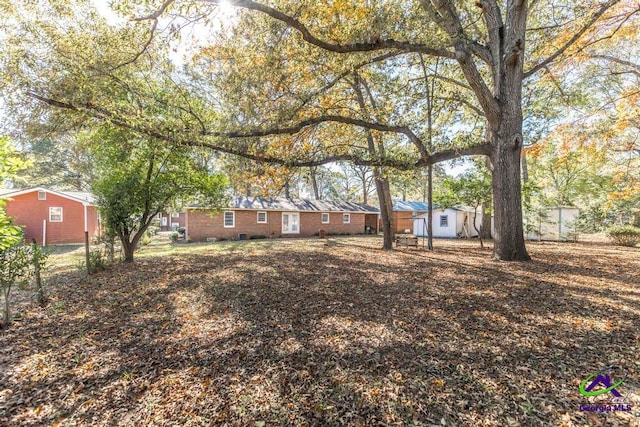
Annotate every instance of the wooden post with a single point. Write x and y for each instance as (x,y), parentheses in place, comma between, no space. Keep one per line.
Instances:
(86,240)
(86,251)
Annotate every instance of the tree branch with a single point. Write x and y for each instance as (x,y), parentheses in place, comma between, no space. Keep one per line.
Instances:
(328,46)
(597,15)
(482,148)
(635,67)
(444,13)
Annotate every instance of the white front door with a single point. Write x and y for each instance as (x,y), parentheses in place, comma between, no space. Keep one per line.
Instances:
(164,221)
(290,223)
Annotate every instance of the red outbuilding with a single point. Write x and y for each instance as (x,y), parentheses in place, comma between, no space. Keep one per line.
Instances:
(53,217)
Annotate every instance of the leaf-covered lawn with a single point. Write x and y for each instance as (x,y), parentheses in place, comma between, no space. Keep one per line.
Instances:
(304,333)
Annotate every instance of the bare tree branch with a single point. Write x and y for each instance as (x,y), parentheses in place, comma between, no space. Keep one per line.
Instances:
(635,67)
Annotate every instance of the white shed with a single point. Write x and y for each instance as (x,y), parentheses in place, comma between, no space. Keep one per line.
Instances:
(553,223)
(450,222)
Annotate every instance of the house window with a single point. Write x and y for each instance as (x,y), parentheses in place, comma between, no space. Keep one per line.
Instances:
(175,214)
(290,223)
(229,219)
(262,217)
(346,218)
(42,195)
(444,220)
(55,214)
(325,218)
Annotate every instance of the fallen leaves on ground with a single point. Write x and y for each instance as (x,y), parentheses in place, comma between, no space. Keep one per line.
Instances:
(303,333)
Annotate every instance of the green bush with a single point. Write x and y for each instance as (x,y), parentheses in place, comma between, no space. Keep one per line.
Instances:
(257,236)
(97,261)
(15,269)
(625,235)
(144,240)
(174,236)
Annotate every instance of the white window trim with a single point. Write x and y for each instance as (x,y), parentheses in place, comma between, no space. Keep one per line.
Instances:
(266,217)
(328,217)
(61,214)
(224,219)
(175,214)
(446,218)
(282,223)
(44,195)
(347,217)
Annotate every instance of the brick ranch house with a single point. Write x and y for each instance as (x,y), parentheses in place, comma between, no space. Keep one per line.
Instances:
(258,216)
(171,220)
(53,217)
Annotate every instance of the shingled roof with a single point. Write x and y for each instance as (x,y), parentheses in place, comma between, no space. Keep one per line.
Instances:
(302,205)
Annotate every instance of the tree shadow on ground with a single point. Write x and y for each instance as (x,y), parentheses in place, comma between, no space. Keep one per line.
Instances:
(321,335)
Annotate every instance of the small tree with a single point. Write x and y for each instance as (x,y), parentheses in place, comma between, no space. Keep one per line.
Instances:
(10,164)
(137,178)
(38,260)
(534,217)
(15,264)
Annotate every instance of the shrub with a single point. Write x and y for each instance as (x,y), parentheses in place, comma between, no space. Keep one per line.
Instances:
(97,261)
(174,236)
(144,240)
(152,230)
(625,235)
(257,236)
(15,269)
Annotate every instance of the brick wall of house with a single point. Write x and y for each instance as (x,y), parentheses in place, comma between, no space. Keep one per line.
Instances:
(203,224)
(170,219)
(29,213)
(311,223)
(401,221)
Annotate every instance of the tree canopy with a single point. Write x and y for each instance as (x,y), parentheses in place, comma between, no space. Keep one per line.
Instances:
(10,165)
(278,82)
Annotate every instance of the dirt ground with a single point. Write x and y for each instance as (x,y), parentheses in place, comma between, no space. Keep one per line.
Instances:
(308,332)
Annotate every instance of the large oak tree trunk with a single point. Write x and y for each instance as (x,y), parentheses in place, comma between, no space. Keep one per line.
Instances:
(506,139)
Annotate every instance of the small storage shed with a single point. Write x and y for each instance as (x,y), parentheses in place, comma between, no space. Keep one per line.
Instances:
(451,222)
(556,223)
